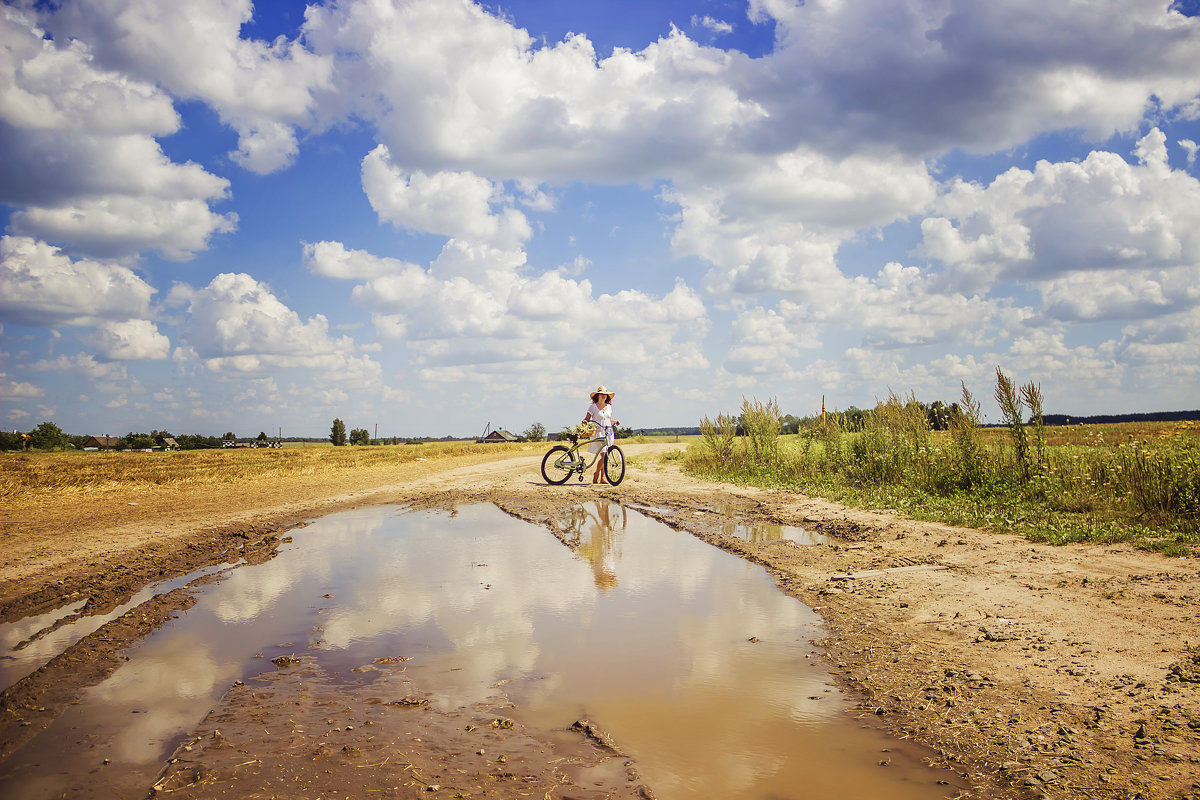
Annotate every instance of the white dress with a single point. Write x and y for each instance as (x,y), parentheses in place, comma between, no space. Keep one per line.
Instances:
(605,435)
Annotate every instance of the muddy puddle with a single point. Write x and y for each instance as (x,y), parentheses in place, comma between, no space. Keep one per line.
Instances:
(694,663)
(29,643)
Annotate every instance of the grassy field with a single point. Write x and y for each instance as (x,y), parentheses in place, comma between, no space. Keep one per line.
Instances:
(1131,482)
(27,474)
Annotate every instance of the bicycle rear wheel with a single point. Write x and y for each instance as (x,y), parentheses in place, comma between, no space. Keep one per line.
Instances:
(553,468)
(614,465)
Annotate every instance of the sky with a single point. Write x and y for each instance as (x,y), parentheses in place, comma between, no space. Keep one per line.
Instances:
(425,217)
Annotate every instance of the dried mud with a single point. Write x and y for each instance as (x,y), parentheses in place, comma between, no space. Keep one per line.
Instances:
(1031,671)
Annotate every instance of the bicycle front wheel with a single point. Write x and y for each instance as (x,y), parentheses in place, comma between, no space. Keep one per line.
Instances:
(614,465)
(554,465)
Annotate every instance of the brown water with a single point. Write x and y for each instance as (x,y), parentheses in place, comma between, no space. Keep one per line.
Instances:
(644,630)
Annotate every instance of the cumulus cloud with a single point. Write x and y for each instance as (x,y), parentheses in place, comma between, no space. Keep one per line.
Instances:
(500,316)
(716,26)
(263,90)
(449,84)
(82,160)
(1128,235)
(333,260)
(927,76)
(236,324)
(1190,148)
(83,364)
(11,389)
(130,340)
(457,204)
(39,285)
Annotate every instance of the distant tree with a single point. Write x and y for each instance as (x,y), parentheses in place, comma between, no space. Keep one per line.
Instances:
(789,424)
(46,436)
(535,432)
(262,436)
(337,433)
(854,419)
(159,436)
(138,441)
(11,440)
(360,436)
(229,437)
(196,441)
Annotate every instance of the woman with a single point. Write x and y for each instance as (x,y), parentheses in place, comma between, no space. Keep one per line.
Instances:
(599,413)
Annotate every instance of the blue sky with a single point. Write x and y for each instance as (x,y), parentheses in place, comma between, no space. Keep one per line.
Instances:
(431,215)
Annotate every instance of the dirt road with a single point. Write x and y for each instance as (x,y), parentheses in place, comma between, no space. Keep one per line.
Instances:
(1030,670)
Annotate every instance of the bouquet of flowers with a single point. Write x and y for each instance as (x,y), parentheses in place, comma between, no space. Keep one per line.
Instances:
(582,430)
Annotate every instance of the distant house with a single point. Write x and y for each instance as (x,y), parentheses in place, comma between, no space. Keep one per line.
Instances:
(169,443)
(103,442)
(500,436)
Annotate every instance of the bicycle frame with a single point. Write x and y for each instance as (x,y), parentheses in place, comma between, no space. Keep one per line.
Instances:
(580,462)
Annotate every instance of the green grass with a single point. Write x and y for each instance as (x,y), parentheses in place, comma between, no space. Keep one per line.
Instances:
(1108,483)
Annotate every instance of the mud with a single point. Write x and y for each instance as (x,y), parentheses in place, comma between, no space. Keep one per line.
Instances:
(298,732)
(1031,671)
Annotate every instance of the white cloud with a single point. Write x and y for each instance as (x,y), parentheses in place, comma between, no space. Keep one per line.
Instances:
(501,317)
(18,390)
(926,76)
(81,156)
(333,260)
(716,26)
(84,364)
(41,286)
(261,89)
(774,225)
(1190,148)
(1101,238)
(457,204)
(236,325)
(122,225)
(449,84)
(130,340)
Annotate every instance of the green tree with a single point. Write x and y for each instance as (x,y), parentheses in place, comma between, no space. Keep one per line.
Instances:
(360,436)
(138,441)
(262,436)
(46,436)
(229,437)
(535,432)
(337,433)
(11,441)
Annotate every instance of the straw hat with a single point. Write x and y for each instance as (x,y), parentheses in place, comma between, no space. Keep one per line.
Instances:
(601,390)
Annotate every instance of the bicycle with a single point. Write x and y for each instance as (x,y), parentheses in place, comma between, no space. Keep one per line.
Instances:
(561,462)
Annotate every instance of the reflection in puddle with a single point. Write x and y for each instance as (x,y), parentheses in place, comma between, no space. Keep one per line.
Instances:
(591,530)
(28,644)
(769,532)
(763,531)
(646,631)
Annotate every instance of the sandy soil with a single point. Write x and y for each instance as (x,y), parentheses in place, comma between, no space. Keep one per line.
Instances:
(1032,671)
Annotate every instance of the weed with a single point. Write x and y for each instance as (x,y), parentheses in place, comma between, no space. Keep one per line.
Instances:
(1136,483)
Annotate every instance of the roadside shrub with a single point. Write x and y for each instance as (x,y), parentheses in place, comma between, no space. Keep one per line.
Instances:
(1161,482)
(717,438)
(762,422)
(964,437)
(1012,409)
(1081,486)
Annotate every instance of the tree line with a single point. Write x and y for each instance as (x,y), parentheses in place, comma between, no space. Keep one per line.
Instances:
(49,436)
